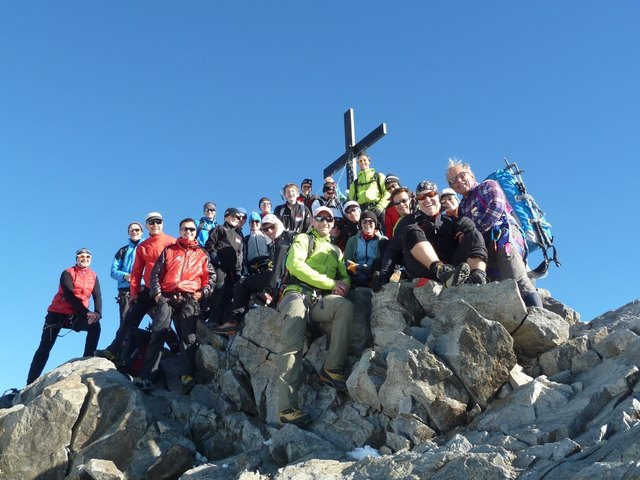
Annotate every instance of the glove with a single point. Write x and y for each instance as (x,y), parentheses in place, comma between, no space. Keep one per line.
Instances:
(465,225)
(352,267)
(376,282)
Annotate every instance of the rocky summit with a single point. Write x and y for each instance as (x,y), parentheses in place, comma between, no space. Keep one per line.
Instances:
(451,383)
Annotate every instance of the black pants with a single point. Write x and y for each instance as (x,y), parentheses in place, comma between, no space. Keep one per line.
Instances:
(242,291)
(53,323)
(123,344)
(220,301)
(123,302)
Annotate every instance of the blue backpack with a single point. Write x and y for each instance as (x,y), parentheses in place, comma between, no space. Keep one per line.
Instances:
(535,228)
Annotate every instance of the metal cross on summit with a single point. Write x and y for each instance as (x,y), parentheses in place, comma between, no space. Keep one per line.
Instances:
(352,148)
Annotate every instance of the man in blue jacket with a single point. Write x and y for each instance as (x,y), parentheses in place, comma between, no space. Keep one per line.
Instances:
(122,264)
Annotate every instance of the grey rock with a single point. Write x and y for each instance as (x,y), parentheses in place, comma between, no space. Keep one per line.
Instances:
(541,331)
(615,343)
(559,358)
(584,362)
(478,351)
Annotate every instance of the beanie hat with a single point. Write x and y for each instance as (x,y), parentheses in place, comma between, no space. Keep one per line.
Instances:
(391,178)
(263,199)
(328,187)
(231,211)
(425,186)
(80,251)
(307,181)
(254,217)
(209,205)
(370,215)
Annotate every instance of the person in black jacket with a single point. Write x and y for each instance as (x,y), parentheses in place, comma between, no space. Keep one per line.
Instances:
(435,246)
(259,287)
(293,214)
(225,247)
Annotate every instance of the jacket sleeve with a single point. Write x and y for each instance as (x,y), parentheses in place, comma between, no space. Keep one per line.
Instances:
(136,274)
(211,245)
(495,205)
(97,298)
(116,266)
(66,283)
(156,275)
(350,248)
(208,287)
(298,267)
(307,219)
(383,201)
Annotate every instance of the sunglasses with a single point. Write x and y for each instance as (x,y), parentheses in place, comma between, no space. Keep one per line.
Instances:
(430,194)
(154,222)
(134,230)
(322,218)
(255,221)
(401,201)
(83,257)
(265,203)
(268,228)
(212,210)
(189,229)
(240,217)
(368,221)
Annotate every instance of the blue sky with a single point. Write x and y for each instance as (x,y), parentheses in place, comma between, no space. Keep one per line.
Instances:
(109,110)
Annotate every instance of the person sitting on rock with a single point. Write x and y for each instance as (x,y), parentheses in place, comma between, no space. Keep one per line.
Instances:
(316,289)
(402,201)
(362,256)
(435,246)
(485,204)
(295,216)
(450,202)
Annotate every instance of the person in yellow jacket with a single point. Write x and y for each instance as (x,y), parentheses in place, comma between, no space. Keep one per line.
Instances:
(316,287)
(369,189)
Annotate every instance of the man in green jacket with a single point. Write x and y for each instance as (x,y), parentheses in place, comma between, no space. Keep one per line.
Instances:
(369,189)
(316,288)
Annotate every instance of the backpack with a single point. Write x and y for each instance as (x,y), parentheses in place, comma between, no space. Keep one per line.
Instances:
(530,217)
(282,281)
(377,177)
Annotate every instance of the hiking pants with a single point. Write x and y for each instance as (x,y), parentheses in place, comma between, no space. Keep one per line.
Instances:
(509,263)
(123,344)
(185,318)
(123,302)
(243,289)
(160,326)
(220,302)
(53,323)
(297,309)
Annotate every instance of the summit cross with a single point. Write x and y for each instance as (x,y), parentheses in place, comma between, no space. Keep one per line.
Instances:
(352,148)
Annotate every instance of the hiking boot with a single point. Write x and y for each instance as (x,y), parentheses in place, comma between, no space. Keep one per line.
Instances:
(108,354)
(228,328)
(450,276)
(336,378)
(295,416)
(188,382)
(142,383)
(477,277)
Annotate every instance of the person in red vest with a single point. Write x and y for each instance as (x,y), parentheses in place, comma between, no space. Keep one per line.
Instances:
(70,309)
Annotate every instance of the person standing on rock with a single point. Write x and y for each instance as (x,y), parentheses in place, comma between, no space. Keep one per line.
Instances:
(316,288)
(485,204)
(181,277)
(122,265)
(147,252)
(70,309)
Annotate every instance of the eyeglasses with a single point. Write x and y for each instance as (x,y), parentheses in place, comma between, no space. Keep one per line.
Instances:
(212,210)
(322,218)
(401,201)
(430,194)
(268,228)
(84,257)
(265,203)
(134,230)
(459,177)
(188,229)
(154,222)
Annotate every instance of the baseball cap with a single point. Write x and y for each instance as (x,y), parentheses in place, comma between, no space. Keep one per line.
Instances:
(231,211)
(321,209)
(81,251)
(447,191)
(152,216)
(349,204)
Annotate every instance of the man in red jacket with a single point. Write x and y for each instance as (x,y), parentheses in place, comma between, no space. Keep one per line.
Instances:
(70,309)
(181,277)
(147,252)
